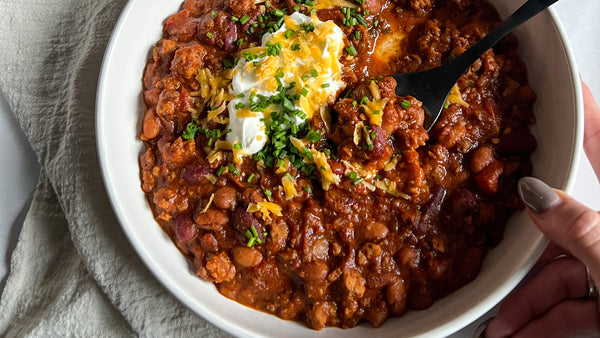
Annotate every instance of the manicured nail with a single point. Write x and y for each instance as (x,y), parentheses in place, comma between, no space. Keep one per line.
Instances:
(537,195)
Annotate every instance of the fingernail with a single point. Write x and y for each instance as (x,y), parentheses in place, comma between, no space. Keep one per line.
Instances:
(537,195)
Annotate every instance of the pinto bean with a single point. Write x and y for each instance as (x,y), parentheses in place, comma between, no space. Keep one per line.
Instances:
(225,198)
(396,297)
(212,219)
(246,257)
(482,157)
(372,231)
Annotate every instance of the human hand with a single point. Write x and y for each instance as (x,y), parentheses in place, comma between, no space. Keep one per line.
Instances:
(557,301)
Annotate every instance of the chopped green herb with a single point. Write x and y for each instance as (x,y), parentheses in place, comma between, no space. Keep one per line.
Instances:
(358,181)
(250,177)
(351,50)
(307,188)
(267,192)
(209,35)
(214,14)
(244,19)
(233,18)
(288,33)
(325,85)
(405,104)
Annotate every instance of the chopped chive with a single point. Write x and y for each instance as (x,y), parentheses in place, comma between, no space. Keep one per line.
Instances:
(237,146)
(351,50)
(240,95)
(288,33)
(209,35)
(358,181)
(353,175)
(361,20)
(325,85)
(364,100)
(220,171)
(267,192)
(244,19)
(354,103)
(446,105)
(405,104)
(234,18)
(214,14)
(279,163)
(314,73)
(376,112)
(250,177)
(307,188)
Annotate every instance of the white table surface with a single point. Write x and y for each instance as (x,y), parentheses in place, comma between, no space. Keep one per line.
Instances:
(20,169)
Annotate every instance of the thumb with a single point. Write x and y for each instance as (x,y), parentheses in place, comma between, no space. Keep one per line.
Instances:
(565,221)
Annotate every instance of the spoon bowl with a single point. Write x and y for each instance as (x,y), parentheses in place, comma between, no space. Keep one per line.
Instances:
(432,86)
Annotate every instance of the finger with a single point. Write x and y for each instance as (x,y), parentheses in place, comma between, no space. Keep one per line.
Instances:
(552,252)
(568,319)
(564,278)
(565,221)
(591,138)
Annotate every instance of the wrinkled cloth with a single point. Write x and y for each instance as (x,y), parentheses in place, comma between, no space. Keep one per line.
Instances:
(73,272)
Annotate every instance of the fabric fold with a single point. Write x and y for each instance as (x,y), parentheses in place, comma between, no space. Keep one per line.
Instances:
(73,270)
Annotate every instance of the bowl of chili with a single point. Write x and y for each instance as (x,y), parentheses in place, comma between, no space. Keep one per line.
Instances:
(404,280)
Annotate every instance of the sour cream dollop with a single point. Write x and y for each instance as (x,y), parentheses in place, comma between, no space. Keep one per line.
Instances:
(305,52)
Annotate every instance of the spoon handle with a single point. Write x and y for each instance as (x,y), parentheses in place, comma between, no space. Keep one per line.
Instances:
(524,13)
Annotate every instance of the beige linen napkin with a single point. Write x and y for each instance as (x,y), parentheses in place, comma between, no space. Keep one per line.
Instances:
(73,273)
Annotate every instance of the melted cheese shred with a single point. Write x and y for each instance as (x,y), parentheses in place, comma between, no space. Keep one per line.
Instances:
(307,54)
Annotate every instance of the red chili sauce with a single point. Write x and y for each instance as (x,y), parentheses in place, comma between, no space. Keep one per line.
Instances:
(413,229)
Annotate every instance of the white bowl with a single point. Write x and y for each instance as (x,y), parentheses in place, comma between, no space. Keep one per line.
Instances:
(559,128)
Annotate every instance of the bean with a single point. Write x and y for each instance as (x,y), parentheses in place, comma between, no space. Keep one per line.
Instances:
(225,198)
(212,219)
(246,257)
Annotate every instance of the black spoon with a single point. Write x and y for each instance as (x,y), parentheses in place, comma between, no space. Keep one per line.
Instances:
(432,86)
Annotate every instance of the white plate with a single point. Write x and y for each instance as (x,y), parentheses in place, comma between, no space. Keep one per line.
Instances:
(119,111)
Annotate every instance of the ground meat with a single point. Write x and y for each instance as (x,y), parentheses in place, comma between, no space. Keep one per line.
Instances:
(376,216)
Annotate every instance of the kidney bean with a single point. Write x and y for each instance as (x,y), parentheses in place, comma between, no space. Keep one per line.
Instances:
(181,26)
(380,146)
(244,221)
(195,174)
(184,228)
(217,31)
(432,208)
(519,141)
(487,179)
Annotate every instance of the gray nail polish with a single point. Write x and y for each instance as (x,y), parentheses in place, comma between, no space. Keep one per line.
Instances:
(537,195)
